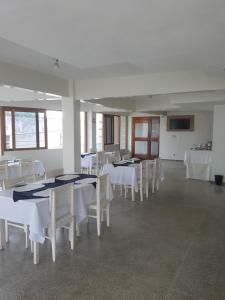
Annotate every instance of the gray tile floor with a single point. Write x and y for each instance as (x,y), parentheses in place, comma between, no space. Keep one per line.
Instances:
(170,247)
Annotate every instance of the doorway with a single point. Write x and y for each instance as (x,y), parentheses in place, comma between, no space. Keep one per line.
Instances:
(145,137)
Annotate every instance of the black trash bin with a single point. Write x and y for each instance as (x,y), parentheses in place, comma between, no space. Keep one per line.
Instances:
(219,179)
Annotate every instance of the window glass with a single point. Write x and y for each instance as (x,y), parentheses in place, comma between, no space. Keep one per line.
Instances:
(99,132)
(41,121)
(116,130)
(8,130)
(25,129)
(82,131)
(54,127)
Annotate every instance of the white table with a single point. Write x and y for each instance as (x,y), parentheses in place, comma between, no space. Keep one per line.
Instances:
(198,164)
(35,212)
(128,175)
(14,169)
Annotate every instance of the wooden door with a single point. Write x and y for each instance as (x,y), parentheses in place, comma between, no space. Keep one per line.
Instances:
(145,137)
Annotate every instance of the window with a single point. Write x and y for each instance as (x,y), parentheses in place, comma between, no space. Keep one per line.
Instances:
(24,128)
(111,129)
(83,131)
(27,128)
(55,136)
(123,132)
(108,129)
(99,132)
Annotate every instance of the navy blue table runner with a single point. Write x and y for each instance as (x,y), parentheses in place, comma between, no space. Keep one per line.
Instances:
(30,194)
(126,164)
(87,154)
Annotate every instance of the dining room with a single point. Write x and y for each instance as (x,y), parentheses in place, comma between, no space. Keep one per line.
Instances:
(112,164)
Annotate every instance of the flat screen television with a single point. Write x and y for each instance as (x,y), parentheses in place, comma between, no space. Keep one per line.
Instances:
(180,123)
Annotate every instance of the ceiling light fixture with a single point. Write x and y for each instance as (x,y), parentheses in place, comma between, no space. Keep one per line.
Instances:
(56,65)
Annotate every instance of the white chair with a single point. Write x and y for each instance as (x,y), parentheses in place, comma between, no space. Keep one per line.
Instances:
(62,214)
(9,184)
(144,178)
(127,156)
(156,174)
(54,173)
(102,204)
(112,158)
(100,161)
(27,168)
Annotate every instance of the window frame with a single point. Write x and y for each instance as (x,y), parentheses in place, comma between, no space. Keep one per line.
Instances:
(112,129)
(22,109)
(85,131)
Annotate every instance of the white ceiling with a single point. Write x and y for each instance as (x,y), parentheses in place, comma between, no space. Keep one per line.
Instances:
(114,38)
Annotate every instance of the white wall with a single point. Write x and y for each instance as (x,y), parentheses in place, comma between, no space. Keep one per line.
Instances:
(51,158)
(219,140)
(173,143)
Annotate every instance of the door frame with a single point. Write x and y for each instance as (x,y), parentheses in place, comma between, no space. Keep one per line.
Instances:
(149,139)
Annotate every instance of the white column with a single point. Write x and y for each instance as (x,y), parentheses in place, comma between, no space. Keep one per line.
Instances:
(71,132)
(218,141)
(91,129)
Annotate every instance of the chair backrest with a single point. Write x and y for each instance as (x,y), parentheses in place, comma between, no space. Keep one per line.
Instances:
(27,168)
(103,190)
(100,157)
(144,170)
(13,182)
(3,171)
(54,173)
(62,204)
(127,156)
(112,158)
(157,167)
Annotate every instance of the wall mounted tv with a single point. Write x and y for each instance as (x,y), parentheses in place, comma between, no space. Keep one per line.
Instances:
(180,123)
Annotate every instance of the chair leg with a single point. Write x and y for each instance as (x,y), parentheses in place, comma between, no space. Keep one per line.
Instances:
(72,234)
(6,231)
(153,185)
(141,193)
(98,222)
(121,190)
(146,190)
(26,235)
(125,188)
(32,246)
(157,184)
(107,214)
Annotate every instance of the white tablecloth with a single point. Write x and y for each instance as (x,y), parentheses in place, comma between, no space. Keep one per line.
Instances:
(198,156)
(198,164)
(128,175)
(88,160)
(35,212)
(14,169)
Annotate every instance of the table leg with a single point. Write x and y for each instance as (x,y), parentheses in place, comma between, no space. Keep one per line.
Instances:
(36,253)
